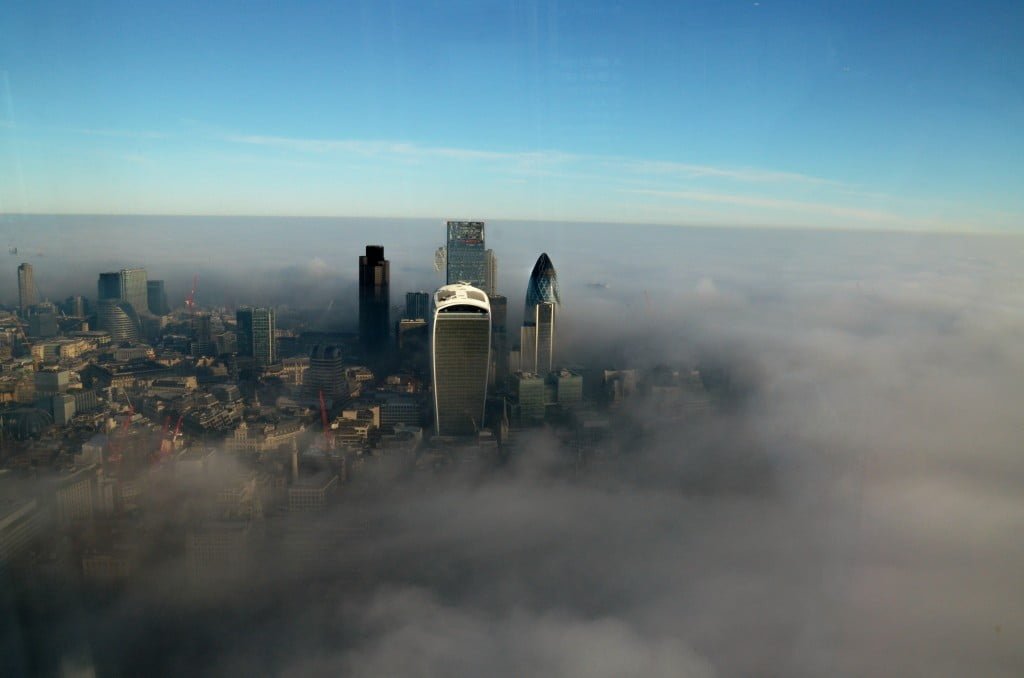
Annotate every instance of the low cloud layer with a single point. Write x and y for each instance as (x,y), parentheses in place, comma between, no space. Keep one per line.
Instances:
(858,512)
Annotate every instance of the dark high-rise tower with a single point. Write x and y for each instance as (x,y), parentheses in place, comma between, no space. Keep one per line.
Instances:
(374,299)
(417,305)
(466,256)
(156,297)
(255,333)
(109,286)
(537,337)
(460,350)
(26,289)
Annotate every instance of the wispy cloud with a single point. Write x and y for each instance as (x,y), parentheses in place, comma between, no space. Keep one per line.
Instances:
(743,174)
(396,148)
(616,164)
(781,204)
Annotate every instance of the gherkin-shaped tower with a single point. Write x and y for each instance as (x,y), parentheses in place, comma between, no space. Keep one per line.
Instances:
(537,338)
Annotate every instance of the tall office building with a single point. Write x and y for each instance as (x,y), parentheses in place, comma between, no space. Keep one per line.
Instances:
(74,306)
(156,297)
(128,285)
(26,288)
(413,339)
(460,355)
(256,338)
(134,289)
(326,372)
(537,337)
(202,343)
(109,286)
(374,299)
(417,305)
(499,338)
(490,273)
(119,318)
(466,256)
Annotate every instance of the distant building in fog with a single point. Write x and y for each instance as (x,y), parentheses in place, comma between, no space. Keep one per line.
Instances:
(466,258)
(128,285)
(326,372)
(417,305)
(27,296)
(374,299)
(255,334)
(157,297)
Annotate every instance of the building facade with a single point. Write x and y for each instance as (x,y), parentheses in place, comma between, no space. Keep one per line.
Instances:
(256,334)
(537,337)
(156,297)
(417,306)
(326,373)
(460,358)
(374,299)
(26,288)
(119,319)
(466,255)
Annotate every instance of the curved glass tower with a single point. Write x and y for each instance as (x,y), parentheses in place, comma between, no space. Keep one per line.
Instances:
(537,337)
(460,349)
(119,318)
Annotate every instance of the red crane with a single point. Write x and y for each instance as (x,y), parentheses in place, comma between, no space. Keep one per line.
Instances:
(115,445)
(190,300)
(325,422)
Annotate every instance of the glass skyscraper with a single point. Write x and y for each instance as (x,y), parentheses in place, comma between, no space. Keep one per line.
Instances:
(417,305)
(157,297)
(374,299)
(109,286)
(256,334)
(537,337)
(134,289)
(460,355)
(119,319)
(26,288)
(467,256)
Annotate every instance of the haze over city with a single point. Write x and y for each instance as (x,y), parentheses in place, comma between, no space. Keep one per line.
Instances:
(511,338)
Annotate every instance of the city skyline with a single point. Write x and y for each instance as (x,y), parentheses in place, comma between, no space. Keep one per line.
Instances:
(871,116)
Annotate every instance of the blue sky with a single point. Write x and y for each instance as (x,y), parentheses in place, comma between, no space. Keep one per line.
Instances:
(848,114)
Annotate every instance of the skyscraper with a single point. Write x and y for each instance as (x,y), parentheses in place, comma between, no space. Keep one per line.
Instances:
(374,299)
(499,338)
(109,286)
(326,372)
(203,344)
(134,289)
(417,305)
(156,297)
(26,288)
(466,257)
(537,337)
(256,334)
(119,318)
(490,273)
(128,285)
(460,356)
